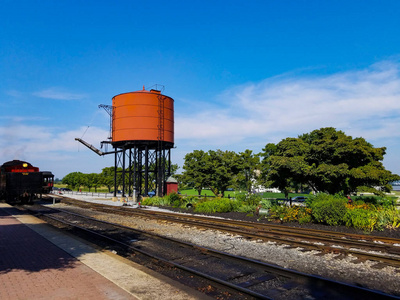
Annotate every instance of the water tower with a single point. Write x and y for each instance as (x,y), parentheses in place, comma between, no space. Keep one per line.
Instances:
(142,135)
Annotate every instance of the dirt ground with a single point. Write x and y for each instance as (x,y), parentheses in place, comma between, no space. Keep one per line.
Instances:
(392,233)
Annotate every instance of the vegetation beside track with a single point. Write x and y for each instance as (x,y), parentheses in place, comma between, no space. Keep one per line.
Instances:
(367,213)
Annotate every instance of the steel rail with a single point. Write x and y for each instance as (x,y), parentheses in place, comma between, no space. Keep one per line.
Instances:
(324,241)
(302,240)
(305,278)
(280,228)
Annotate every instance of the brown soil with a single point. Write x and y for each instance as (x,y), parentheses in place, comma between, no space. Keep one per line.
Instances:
(392,233)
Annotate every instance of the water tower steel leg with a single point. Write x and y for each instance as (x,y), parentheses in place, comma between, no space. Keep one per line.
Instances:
(140,171)
(164,164)
(156,172)
(153,172)
(146,171)
(161,168)
(115,173)
(135,160)
(123,171)
(130,174)
(169,162)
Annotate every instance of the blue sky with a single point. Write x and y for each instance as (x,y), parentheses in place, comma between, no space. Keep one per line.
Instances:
(242,73)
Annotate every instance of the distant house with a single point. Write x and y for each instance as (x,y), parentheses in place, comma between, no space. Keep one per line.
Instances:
(259,188)
(262,189)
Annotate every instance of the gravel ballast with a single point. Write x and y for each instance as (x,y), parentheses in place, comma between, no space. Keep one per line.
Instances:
(336,267)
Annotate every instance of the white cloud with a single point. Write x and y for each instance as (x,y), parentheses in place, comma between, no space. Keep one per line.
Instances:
(361,103)
(52,150)
(58,94)
(14,93)
(296,105)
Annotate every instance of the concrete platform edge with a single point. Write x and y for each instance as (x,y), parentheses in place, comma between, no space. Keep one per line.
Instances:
(137,280)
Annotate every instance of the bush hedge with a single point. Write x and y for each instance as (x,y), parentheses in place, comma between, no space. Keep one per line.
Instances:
(328,209)
(219,205)
(365,213)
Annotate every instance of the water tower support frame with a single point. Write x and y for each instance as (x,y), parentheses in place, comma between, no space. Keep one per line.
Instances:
(142,169)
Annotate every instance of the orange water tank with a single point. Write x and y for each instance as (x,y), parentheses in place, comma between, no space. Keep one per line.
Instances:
(143,116)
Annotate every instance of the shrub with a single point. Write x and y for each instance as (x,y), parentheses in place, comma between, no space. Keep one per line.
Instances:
(367,217)
(328,209)
(189,200)
(266,203)
(176,203)
(285,214)
(246,208)
(217,206)
(241,197)
(366,199)
(389,218)
(375,200)
(253,199)
(249,199)
(387,202)
(362,217)
(173,197)
(304,215)
(156,201)
(278,213)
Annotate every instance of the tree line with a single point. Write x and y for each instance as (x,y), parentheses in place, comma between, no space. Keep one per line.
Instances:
(75,180)
(325,160)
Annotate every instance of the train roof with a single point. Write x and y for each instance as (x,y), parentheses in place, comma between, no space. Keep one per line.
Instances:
(47,173)
(12,163)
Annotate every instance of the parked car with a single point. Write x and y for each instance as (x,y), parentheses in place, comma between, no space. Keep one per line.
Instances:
(299,199)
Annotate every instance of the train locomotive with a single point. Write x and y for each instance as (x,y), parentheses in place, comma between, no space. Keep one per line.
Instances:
(22,182)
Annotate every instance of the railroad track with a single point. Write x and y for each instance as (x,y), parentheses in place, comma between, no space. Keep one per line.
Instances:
(231,277)
(384,251)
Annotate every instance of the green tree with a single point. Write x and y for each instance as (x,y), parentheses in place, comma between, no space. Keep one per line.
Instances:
(107,177)
(174,169)
(328,161)
(73,180)
(287,165)
(92,180)
(248,175)
(212,169)
(195,172)
(265,165)
(222,167)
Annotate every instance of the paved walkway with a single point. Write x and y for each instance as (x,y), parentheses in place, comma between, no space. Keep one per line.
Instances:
(39,262)
(31,267)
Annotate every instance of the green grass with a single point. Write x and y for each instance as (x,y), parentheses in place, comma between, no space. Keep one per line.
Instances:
(59,185)
(281,195)
(396,194)
(102,189)
(193,192)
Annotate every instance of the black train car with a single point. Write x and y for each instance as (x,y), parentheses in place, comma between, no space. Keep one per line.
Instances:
(47,183)
(20,181)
